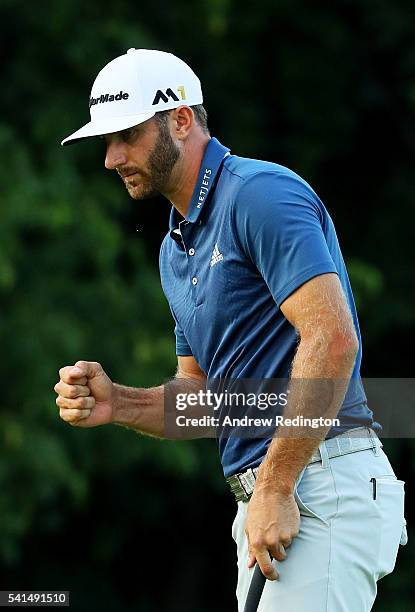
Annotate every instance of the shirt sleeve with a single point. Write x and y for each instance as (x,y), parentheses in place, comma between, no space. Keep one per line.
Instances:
(278,222)
(182,347)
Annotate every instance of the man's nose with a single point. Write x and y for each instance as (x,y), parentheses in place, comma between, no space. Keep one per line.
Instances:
(115,155)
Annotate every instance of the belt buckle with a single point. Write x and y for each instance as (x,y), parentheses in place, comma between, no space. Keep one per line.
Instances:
(236,487)
(247,482)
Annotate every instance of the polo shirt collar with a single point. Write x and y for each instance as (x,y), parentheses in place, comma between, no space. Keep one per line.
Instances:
(209,168)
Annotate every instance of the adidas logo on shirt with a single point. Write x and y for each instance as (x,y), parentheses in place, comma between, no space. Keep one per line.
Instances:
(216,256)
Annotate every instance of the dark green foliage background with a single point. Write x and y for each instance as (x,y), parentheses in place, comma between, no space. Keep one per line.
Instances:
(129,523)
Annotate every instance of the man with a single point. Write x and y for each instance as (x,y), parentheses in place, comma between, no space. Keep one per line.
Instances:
(257,285)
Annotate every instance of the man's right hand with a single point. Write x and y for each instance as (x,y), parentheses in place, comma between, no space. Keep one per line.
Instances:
(85,395)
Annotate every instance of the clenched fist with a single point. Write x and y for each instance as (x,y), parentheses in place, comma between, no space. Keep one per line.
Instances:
(85,394)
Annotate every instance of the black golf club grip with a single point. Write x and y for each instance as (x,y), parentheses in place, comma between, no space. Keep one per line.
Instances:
(255,590)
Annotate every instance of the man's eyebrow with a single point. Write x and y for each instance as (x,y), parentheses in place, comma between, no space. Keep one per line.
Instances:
(129,130)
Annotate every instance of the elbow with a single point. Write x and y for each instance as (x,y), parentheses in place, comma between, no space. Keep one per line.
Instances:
(344,347)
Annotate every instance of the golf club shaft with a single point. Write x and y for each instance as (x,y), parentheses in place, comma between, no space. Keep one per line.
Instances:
(255,590)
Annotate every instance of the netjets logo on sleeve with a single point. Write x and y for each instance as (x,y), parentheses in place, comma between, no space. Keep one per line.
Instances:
(169,95)
(107,97)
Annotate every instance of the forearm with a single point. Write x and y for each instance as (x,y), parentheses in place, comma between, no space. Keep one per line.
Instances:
(320,376)
(147,410)
(140,409)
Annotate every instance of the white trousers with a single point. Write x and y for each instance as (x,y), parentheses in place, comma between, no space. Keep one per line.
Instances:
(347,541)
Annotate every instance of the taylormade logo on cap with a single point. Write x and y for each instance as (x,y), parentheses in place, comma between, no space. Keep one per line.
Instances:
(108,98)
(133,87)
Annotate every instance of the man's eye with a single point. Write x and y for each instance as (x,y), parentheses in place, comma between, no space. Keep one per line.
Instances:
(129,134)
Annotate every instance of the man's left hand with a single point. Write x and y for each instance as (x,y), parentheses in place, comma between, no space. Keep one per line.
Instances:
(273,521)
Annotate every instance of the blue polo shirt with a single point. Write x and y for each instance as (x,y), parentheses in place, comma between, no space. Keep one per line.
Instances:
(254,233)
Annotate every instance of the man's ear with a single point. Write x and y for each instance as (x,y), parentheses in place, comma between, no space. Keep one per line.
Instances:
(183,121)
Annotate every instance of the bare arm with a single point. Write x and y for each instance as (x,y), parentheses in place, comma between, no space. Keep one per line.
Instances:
(143,409)
(320,374)
(87,397)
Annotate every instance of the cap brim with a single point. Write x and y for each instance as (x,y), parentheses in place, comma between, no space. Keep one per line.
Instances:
(109,125)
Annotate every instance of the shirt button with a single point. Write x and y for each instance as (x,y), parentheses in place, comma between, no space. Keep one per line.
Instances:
(194,280)
(191,251)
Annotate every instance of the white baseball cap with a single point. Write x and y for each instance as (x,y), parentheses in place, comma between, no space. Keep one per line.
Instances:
(134,87)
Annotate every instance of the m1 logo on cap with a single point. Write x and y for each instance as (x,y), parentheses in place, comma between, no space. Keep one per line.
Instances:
(160,95)
(108,98)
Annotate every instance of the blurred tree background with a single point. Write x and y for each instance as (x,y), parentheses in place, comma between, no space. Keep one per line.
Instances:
(131,523)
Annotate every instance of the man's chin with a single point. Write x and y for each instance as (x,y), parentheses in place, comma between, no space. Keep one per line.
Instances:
(141,193)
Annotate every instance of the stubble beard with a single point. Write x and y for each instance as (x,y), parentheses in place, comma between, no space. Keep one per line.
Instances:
(160,163)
